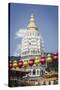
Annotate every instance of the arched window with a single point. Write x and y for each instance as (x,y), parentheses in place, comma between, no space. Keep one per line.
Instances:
(41,72)
(37,72)
(34,72)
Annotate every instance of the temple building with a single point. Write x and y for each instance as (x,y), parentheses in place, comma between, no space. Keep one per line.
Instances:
(32,46)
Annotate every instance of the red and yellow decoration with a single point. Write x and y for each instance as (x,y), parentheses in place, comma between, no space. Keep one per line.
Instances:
(43,60)
(15,64)
(31,62)
(25,63)
(37,61)
(49,58)
(55,56)
(20,63)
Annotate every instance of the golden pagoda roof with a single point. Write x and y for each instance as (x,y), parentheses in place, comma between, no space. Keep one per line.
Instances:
(32,24)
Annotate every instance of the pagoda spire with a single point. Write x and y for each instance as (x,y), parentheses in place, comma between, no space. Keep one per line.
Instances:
(32,24)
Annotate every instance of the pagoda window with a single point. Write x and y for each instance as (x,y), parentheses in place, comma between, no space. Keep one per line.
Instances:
(41,72)
(34,72)
(37,72)
(33,51)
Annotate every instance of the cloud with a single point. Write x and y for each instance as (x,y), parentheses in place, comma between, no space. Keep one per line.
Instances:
(20,33)
(17,51)
(16,54)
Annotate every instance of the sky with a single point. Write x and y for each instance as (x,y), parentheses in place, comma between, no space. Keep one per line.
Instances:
(46,20)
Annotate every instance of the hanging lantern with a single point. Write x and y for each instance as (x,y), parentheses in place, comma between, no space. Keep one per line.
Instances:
(31,62)
(25,63)
(15,64)
(20,64)
(37,61)
(55,56)
(49,58)
(42,61)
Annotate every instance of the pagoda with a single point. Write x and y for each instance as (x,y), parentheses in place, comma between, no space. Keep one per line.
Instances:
(32,43)
(32,46)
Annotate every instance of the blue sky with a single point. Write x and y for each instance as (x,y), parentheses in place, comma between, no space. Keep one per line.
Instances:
(46,19)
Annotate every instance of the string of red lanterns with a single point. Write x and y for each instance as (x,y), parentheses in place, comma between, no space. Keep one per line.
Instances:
(31,62)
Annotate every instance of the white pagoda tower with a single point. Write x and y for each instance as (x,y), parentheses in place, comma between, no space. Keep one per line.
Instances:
(32,43)
(32,46)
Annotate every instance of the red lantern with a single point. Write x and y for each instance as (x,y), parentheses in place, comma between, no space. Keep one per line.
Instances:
(55,56)
(42,61)
(31,62)
(20,64)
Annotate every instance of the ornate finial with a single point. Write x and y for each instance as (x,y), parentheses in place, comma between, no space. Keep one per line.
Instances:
(32,18)
(32,23)
(32,15)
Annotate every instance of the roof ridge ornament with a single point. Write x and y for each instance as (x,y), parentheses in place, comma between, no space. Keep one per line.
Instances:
(32,24)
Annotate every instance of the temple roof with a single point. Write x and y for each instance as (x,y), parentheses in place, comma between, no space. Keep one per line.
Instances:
(32,24)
